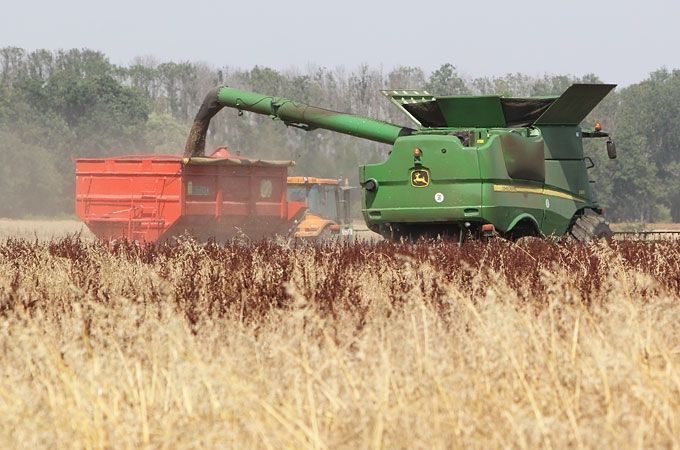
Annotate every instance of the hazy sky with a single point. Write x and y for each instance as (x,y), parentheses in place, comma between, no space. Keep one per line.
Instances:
(621,41)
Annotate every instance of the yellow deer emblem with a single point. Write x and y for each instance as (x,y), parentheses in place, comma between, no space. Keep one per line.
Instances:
(420,178)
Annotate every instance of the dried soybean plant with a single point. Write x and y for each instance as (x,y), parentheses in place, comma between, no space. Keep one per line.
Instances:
(339,345)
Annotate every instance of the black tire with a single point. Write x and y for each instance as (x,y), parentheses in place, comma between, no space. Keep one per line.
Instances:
(590,227)
(524,229)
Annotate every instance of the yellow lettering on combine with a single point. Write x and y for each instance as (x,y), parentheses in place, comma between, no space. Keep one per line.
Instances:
(535,190)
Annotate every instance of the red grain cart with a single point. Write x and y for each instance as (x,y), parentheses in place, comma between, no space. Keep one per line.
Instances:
(156,197)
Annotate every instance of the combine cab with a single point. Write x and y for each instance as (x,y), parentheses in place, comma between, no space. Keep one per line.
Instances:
(327,204)
(157,197)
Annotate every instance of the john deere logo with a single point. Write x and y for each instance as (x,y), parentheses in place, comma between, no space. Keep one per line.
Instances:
(420,178)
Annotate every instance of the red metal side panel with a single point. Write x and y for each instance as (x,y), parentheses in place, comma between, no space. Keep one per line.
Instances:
(129,197)
(222,201)
(157,197)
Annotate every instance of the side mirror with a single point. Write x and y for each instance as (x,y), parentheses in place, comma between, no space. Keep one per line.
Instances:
(611,149)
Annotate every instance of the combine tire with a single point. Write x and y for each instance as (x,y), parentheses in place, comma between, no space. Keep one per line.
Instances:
(590,227)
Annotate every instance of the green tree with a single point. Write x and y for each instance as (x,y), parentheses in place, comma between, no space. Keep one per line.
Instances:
(446,81)
(648,133)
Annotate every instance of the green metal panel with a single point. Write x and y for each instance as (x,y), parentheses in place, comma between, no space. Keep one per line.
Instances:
(558,215)
(562,142)
(491,161)
(481,112)
(574,104)
(521,157)
(502,207)
(568,176)
(454,175)
(567,181)
(505,198)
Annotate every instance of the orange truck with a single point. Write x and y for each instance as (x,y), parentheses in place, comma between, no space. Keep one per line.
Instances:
(328,207)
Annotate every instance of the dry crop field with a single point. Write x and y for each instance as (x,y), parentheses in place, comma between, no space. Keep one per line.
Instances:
(272,345)
(42,229)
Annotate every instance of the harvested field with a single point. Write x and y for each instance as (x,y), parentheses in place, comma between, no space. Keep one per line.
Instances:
(42,229)
(379,345)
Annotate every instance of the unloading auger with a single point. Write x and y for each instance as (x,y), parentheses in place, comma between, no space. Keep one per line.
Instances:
(289,112)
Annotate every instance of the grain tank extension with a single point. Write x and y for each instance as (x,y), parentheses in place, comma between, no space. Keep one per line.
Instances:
(471,166)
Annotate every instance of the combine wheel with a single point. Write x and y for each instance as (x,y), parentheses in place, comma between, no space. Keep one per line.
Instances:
(524,231)
(589,227)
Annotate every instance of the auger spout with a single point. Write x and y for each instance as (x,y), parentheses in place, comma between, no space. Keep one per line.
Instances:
(291,113)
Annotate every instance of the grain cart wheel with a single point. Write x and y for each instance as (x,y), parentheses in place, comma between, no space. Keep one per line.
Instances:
(589,227)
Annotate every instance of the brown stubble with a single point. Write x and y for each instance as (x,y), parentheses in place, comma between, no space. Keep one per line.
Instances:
(339,345)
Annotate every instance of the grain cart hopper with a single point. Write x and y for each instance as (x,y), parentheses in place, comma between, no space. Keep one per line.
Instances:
(157,197)
(471,166)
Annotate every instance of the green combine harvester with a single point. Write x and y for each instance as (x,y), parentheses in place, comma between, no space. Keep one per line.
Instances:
(472,166)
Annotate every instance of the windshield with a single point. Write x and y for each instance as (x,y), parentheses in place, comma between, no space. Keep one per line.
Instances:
(320,199)
(297,193)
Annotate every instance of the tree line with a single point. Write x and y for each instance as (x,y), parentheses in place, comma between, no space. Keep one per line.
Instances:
(59,105)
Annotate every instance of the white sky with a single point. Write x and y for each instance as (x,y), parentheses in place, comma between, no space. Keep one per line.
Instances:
(621,41)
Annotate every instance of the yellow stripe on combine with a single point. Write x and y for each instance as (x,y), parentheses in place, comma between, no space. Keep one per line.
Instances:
(535,190)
